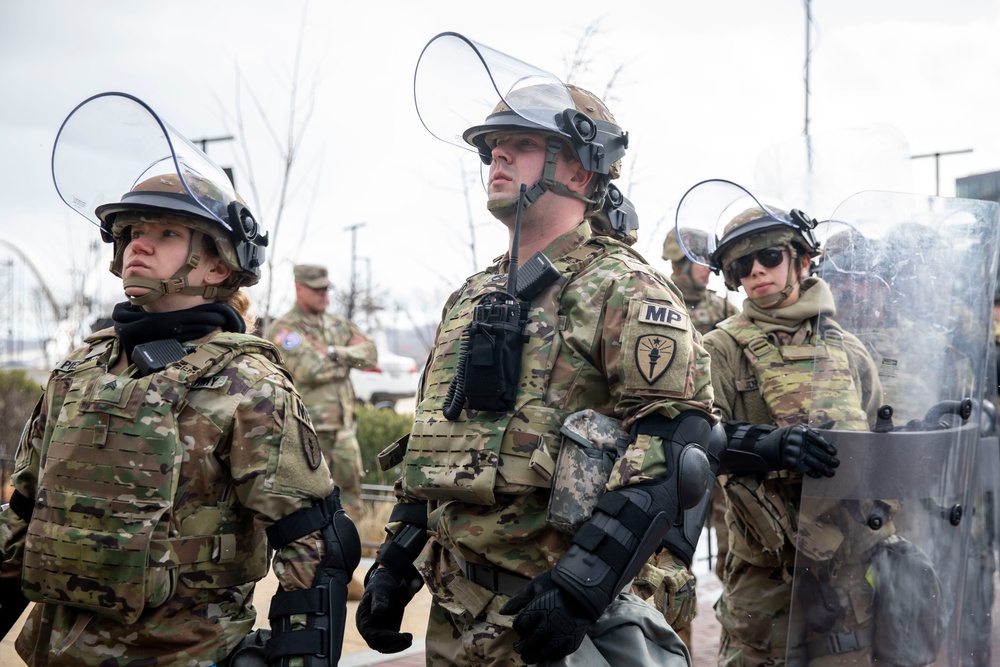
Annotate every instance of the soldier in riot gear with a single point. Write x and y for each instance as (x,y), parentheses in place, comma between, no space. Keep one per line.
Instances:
(170,451)
(762,362)
(588,325)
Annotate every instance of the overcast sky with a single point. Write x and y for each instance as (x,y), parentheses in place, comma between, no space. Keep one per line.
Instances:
(705,88)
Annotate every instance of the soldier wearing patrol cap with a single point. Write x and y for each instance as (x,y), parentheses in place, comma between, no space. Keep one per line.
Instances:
(567,342)
(172,449)
(319,350)
(762,363)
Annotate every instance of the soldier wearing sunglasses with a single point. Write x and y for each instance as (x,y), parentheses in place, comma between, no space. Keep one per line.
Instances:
(763,361)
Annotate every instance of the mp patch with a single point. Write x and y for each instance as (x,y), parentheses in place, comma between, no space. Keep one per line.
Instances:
(653,355)
(664,315)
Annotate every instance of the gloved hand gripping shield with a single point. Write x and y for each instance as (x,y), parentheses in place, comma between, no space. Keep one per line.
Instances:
(112,142)
(889,549)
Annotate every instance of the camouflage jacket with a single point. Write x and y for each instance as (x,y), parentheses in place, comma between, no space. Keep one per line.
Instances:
(151,495)
(589,342)
(767,538)
(324,382)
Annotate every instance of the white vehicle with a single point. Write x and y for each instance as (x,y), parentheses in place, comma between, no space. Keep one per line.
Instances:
(394,377)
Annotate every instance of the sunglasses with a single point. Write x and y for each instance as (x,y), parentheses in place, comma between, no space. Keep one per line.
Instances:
(768,258)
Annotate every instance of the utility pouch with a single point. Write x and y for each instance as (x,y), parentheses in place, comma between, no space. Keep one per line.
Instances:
(591,444)
(493,363)
(909,610)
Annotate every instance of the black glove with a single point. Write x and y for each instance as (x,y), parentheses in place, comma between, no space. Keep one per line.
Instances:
(380,611)
(550,624)
(798,448)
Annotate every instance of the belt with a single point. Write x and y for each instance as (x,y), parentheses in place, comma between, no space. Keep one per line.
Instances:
(501,582)
(841,642)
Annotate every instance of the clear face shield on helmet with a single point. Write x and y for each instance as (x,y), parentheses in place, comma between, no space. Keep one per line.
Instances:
(729,217)
(113,142)
(465,91)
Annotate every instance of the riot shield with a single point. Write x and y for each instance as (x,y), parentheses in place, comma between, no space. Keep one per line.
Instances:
(820,170)
(112,141)
(884,547)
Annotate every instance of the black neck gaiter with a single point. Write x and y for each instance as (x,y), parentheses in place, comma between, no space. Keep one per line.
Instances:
(135,326)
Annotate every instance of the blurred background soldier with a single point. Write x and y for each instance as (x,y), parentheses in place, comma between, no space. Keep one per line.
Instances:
(568,342)
(165,449)
(706,309)
(319,349)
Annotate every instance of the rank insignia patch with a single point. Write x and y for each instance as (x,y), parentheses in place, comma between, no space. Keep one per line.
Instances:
(653,355)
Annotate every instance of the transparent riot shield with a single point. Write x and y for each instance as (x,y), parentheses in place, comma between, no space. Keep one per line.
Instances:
(884,569)
(820,170)
(112,141)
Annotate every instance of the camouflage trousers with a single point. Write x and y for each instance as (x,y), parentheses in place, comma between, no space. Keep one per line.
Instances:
(343,455)
(754,614)
(717,521)
(464,641)
(670,586)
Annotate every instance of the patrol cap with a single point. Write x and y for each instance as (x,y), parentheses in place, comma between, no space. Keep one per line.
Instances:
(313,276)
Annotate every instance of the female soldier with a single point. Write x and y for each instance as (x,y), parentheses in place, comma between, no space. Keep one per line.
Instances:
(162,452)
(763,363)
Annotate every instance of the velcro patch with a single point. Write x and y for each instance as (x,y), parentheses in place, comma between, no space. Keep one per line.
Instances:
(653,355)
(664,315)
(289,340)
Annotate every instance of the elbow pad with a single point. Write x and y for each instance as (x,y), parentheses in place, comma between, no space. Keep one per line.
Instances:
(628,524)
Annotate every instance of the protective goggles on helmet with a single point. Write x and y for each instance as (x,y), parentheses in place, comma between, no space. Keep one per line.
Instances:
(769,258)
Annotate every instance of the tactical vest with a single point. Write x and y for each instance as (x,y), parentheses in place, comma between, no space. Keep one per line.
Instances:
(796,382)
(100,538)
(802,381)
(483,454)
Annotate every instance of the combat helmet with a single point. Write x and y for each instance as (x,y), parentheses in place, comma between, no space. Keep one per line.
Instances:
(591,131)
(695,240)
(758,227)
(589,126)
(204,207)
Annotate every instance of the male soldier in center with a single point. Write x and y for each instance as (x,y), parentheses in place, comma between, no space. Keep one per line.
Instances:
(610,334)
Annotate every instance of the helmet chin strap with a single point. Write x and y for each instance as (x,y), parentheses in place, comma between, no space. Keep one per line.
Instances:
(177,283)
(503,209)
(772,300)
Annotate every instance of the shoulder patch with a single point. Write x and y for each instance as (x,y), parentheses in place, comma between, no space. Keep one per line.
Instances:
(653,355)
(663,315)
(289,340)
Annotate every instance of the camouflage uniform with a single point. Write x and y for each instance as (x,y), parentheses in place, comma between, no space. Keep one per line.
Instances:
(484,476)
(323,379)
(763,509)
(705,307)
(678,588)
(151,495)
